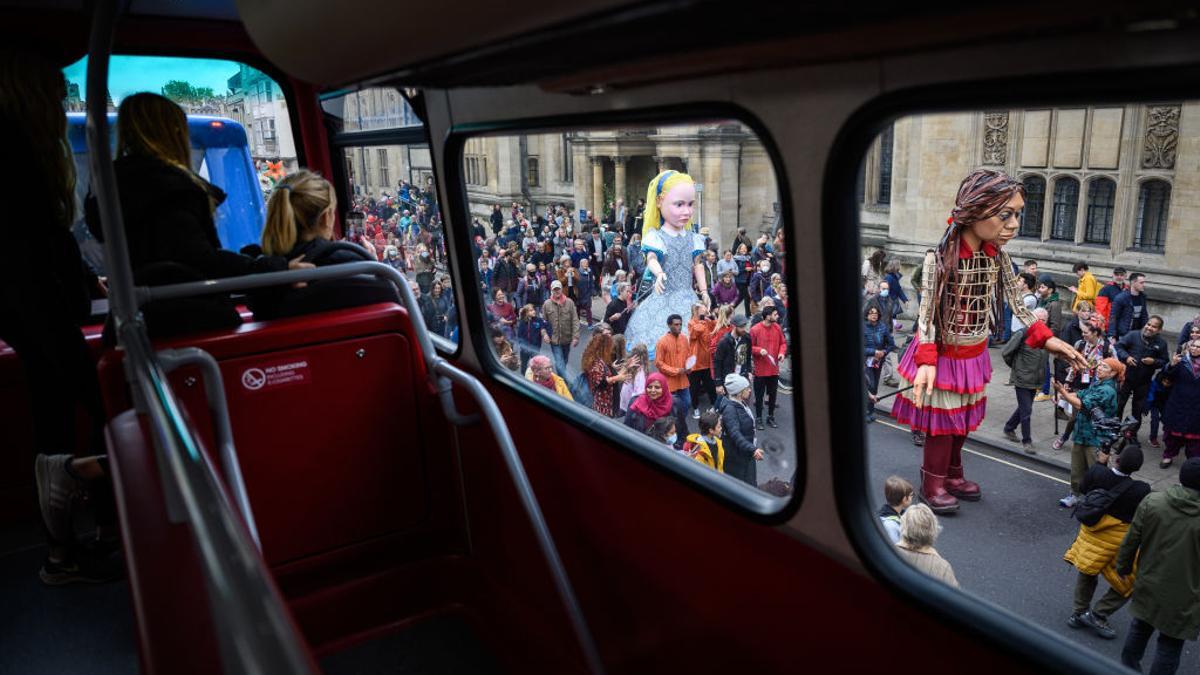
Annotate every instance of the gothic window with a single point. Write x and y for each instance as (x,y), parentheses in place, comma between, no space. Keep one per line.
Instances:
(1066,205)
(1101,196)
(568,173)
(532,172)
(885,166)
(1035,204)
(1154,199)
(383,168)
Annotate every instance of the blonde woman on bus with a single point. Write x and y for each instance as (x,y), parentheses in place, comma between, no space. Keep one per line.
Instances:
(44,297)
(300,217)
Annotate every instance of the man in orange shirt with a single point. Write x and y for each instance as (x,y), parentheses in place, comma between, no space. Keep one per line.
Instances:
(673,358)
(768,347)
(700,329)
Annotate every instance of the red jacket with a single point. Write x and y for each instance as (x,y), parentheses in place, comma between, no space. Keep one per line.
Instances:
(769,338)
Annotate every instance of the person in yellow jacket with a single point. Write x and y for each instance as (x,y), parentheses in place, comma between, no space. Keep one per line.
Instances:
(541,371)
(706,447)
(1088,287)
(1094,551)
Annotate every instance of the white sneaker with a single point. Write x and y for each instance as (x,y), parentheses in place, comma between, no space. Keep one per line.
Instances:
(696,414)
(55,489)
(1068,501)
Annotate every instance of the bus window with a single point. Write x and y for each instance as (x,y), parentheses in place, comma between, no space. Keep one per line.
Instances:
(675,328)
(238,125)
(1082,212)
(390,182)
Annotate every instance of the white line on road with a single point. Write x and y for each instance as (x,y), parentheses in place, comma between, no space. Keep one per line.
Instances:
(994,459)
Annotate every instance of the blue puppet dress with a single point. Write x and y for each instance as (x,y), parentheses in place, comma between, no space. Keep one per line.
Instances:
(676,255)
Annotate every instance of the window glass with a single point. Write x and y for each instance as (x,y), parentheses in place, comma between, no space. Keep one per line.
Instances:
(393,209)
(587,299)
(238,124)
(998,461)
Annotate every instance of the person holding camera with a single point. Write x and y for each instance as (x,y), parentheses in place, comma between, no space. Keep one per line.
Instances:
(1113,500)
(1101,395)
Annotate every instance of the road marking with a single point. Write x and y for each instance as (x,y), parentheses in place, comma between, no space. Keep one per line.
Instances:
(1056,479)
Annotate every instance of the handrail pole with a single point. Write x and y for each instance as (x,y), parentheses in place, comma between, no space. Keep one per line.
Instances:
(516,469)
(121,300)
(218,409)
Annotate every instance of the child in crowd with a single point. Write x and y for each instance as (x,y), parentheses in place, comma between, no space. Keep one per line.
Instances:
(898,494)
(706,447)
(663,430)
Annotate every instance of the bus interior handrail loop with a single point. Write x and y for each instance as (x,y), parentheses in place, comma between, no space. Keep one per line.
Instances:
(529,501)
(214,391)
(256,634)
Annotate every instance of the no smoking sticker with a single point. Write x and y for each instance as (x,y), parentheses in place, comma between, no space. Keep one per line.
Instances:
(276,375)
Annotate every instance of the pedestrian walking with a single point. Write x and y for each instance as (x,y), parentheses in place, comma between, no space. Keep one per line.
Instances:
(1181,419)
(1164,539)
(768,348)
(700,327)
(559,313)
(531,331)
(1129,311)
(672,358)
(877,343)
(1026,369)
(1143,352)
(737,420)
(1094,551)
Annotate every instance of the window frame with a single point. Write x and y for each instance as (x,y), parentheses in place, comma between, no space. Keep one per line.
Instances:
(1064,179)
(1041,207)
(1090,208)
(743,499)
(399,136)
(840,248)
(1139,214)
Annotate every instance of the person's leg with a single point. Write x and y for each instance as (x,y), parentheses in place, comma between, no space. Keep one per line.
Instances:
(1155,421)
(1140,393)
(683,403)
(936,463)
(1192,448)
(1122,396)
(695,389)
(1046,380)
(760,388)
(561,353)
(1135,643)
(1109,603)
(772,397)
(1166,655)
(710,387)
(956,484)
(1172,444)
(872,375)
(1025,410)
(1085,588)
(1079,465)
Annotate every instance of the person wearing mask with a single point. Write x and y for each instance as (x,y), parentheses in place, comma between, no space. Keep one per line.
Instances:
(672,358)
(759,282)
(1181,418)
(1129,308)
(882,301)
(877,342)
(541,372)
(737,421)
(1102,395)
(1088,287)
(1143,352)
(1094,551)
(918,533)
(653,404)
(1164,540)
(663,431)
(559,312)
(745,269)
(768,348)
(706,447)
(700,328)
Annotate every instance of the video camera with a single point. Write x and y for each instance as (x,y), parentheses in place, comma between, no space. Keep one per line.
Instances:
(1114,432)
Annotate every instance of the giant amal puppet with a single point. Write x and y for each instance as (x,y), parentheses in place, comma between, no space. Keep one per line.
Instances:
(948,364)
(671,248)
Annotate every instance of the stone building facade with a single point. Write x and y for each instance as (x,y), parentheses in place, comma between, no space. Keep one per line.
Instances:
(1109,185)
(587,170)
(374,170)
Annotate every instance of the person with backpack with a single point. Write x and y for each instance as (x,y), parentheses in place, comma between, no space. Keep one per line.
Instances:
(1111,499)
(1101,395)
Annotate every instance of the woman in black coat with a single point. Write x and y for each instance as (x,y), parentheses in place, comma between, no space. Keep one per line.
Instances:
(741,451)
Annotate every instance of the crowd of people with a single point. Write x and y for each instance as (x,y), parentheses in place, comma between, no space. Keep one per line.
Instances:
(704,383)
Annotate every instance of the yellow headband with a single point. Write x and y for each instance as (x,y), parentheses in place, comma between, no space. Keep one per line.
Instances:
(660,185)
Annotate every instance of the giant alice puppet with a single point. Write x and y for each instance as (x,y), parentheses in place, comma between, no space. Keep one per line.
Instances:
(948,364)
(671,248)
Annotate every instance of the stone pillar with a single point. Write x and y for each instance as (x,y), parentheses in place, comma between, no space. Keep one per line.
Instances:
(619,189)
(658,161)
(597,187)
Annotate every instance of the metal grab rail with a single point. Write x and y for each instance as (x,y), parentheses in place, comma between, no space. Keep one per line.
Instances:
(214,391)
(444,375)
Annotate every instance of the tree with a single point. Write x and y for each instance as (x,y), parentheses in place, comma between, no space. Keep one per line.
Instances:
(183,92)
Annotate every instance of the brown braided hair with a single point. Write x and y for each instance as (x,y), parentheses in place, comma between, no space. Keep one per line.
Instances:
(981,195)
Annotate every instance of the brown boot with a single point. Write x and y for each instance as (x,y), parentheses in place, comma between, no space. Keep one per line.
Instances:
(959,486)
(934,493)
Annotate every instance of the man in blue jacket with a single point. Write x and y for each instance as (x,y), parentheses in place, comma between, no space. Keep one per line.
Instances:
(1129,309)
(1143,353)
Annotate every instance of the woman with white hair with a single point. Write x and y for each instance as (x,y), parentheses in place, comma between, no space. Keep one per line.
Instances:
(918,531)
(737,418)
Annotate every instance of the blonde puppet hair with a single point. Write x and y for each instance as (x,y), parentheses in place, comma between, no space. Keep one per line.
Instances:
(660,185)
(294,211)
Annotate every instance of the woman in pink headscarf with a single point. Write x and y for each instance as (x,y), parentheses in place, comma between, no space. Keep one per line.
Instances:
(654,403)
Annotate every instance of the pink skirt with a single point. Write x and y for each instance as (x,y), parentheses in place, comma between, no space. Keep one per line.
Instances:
(959,400)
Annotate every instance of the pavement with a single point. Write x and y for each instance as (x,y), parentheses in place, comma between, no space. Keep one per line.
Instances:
(1002,401)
